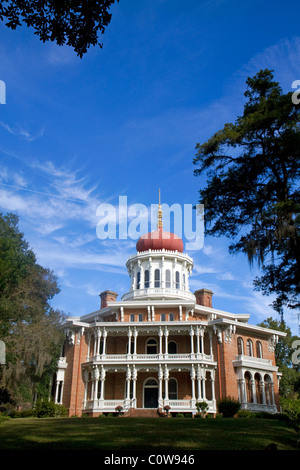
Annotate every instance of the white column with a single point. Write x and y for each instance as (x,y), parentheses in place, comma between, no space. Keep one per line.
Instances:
(193,376)
(198,341)
(192,341)
(129,334)
(149,313)
(199,375)
(98,341)
(128,378)
(104,341)
(160,334)
(202,340)
(102,380)
(166,402)
(166,341)
(134,378)
(180,312)
(135,335)
(153,312)
(160,379)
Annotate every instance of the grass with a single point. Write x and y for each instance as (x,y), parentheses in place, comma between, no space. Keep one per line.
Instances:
(181,434)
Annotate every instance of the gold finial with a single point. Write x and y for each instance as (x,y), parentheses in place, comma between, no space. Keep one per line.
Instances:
(159,213)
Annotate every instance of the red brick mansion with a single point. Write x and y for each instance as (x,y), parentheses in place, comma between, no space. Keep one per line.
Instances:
(162,344)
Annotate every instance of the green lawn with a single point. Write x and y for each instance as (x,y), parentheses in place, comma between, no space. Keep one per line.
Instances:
(145,434)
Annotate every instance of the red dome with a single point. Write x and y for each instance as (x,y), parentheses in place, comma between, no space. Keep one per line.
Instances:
(159,240)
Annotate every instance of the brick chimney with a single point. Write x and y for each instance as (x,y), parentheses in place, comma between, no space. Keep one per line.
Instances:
(107,296)
(204,297)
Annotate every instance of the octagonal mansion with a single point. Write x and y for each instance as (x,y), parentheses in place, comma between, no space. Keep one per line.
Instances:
(163,345)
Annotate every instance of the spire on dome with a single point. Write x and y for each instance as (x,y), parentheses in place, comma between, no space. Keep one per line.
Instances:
(159,213)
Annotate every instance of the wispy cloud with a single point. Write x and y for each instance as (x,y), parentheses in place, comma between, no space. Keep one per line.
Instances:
(22,132)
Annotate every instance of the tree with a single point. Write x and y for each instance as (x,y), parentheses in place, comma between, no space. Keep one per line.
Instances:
(252,193)
(284,351)
(72,22)
(29,326)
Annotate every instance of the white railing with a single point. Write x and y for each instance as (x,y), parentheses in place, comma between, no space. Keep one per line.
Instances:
(255,360)
(158,291)
(149,357)
(175,405)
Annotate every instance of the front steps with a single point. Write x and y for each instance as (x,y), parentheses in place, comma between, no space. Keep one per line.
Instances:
(141,413)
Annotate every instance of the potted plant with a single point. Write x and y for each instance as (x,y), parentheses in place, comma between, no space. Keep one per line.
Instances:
(119,409)
(202,408)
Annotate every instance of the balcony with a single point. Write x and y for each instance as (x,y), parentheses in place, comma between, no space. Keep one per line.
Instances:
(149,358)
(159,292)
(253,362)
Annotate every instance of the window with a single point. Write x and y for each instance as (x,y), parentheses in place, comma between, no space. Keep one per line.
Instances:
(146,279)
(171,316)
(240,345)
(138,280)
(258,349)
(168,278)
(172,389)
(151,346)
(172,347)
(132,318)
(249,347)
(162,317)
(140,317)
(177,280)
(156,278)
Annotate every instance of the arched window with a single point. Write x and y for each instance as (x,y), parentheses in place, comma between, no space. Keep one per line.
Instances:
(168,278)
(249,347)
(162,317)
(268,390)
(132,317)
(171,316)
(146,279)
(151,346)
(248,387)
(177,279)
(156,278)
(258,388)
(172,389)
(172,347)
(240,345)
(138,280)
(258,349)
(140,317)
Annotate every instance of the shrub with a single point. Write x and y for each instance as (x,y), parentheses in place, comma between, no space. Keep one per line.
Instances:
(291,408)
(245,414)
(228,407)
(4,418)
(48,409)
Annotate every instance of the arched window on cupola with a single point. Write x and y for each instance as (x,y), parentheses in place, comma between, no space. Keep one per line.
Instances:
(168,278)
(138,280)
(146,279)
(156,278)
(177,280)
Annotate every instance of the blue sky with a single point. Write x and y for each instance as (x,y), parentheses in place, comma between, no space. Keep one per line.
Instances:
(124,121)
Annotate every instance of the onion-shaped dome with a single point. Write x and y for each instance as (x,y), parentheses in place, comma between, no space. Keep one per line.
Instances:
(159,240)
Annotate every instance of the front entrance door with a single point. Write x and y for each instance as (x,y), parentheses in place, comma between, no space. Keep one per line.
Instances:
(151,394)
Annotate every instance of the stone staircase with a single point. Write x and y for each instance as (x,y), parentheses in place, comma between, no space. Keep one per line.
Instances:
(141,413)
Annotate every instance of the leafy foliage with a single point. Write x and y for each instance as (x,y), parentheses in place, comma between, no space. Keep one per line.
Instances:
(252,194)
(228,407)
(76,23)
(28,324)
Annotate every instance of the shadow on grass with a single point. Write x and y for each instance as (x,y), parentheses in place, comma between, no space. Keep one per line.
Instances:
(147,434)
